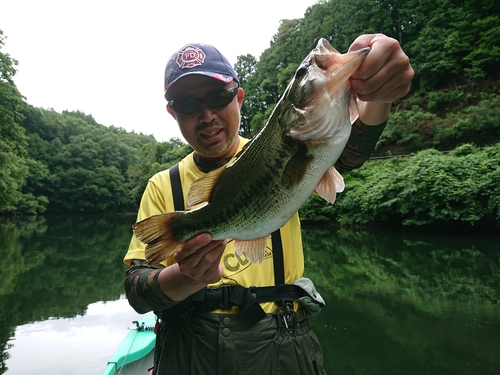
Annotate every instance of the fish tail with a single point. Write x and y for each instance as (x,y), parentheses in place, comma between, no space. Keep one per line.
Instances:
(156,232)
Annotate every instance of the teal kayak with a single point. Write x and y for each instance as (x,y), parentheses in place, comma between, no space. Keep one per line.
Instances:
(135,353)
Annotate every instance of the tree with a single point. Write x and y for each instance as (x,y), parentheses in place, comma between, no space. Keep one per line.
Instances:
(153,158)
(453,41)
(268,82)
(245,67)
(13,167)
(484,59)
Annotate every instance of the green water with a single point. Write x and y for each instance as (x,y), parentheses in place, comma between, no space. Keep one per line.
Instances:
(397,303)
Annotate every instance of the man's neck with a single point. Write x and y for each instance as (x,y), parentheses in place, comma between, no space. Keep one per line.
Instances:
(207,165)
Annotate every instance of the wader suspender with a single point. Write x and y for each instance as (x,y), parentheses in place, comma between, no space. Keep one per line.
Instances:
(175,181)
(279,268)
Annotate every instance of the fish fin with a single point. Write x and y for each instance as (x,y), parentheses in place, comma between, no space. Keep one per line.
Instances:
(295,169)
(156,232)
(254,250)
(330,184)
(353,108)
(201,189)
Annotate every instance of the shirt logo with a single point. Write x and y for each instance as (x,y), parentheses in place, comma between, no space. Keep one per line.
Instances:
(189,57)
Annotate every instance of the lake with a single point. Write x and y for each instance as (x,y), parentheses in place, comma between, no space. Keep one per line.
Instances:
(397,302)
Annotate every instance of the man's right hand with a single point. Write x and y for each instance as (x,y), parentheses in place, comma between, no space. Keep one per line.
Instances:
(199,258)
(198,264)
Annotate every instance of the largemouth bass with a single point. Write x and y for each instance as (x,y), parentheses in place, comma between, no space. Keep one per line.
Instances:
(276,172)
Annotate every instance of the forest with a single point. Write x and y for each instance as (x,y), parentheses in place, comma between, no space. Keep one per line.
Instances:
(437,161)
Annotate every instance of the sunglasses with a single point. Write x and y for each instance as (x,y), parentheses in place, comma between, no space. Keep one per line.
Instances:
(216,99)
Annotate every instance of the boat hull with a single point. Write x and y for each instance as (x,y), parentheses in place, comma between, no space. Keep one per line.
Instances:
(135,353)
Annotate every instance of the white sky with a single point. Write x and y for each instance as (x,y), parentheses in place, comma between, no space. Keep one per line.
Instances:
(107,57)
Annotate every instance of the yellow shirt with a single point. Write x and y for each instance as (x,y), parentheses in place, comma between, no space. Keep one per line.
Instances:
(157,198)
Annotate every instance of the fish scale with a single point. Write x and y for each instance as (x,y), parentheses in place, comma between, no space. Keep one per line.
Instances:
(275,173)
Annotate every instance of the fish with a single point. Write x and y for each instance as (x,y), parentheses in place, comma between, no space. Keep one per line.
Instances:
(274,174)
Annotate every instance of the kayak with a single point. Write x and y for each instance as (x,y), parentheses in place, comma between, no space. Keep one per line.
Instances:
(135,353)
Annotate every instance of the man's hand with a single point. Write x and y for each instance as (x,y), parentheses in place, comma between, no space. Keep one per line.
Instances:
(383,77)
(198,264)
(199,258)
(385,74)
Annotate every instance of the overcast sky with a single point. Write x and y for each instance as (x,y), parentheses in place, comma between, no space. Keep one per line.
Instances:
(107,57)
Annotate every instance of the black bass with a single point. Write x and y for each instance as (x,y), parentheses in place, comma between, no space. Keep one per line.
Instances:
(277,171)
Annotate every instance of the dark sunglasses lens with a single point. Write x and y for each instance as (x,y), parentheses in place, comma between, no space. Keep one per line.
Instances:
(185,105)
(219,99)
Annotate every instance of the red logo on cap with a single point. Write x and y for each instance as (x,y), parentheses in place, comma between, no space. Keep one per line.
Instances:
(189,57)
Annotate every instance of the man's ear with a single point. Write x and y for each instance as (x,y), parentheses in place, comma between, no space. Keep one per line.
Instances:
(240,96)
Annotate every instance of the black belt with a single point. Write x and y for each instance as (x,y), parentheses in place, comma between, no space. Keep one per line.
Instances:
(247,299)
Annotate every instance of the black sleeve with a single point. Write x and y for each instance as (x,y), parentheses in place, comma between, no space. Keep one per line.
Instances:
(142,289)
(360,146)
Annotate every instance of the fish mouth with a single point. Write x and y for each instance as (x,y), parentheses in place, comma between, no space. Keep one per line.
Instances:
(336,68)
(329,59)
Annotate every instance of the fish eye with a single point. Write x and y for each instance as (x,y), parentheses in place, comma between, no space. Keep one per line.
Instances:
(301,71)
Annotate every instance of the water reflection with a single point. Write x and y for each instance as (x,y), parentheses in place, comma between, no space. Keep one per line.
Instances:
(83,344)
(396,302)
(406,303)
(55,267)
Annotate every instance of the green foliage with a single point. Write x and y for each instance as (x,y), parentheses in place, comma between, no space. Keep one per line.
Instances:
(477,123)
(316,211)
(155,157)
(453,39)
(429,188)
(13,169)
(444,100)
(414,129)
(75,164)
(408,131)
(270,77)
(66,161)
(102,189)
(81,164)
(245,67)
(484,59)
(13,172)
(33,201)
(88,167)
(447,43)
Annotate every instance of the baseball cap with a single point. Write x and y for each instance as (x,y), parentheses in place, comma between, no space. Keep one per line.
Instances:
(197,58)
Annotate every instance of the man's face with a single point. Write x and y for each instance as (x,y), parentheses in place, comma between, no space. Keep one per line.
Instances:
(212,132)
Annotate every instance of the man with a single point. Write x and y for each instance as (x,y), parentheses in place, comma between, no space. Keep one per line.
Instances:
(219,313)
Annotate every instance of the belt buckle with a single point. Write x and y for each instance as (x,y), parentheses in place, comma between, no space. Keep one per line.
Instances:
(287,315)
